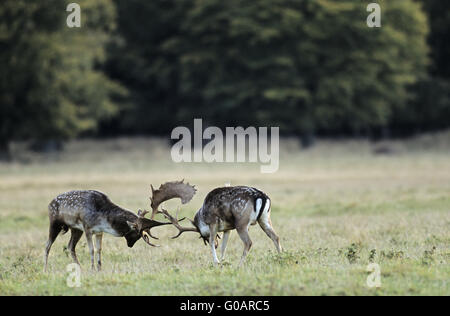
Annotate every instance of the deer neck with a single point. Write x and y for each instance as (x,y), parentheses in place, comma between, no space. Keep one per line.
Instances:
(200,223)
(118,218)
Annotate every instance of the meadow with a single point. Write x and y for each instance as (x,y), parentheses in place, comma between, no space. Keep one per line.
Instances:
(337,207)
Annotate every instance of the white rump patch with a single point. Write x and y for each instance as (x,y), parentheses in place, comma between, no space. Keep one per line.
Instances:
(267,207)
(258,205)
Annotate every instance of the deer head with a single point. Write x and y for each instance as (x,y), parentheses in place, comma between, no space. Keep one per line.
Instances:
(142,226)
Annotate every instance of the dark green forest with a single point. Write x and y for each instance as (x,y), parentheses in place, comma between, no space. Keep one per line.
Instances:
(138,67)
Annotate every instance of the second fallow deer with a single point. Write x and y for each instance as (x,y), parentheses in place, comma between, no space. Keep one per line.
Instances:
(223,210)
(92,212)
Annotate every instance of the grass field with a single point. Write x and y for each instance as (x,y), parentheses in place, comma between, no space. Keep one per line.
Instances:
(337,207)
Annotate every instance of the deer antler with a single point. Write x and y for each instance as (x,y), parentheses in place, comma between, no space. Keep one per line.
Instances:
(171,190)
(142,213)
(175,221)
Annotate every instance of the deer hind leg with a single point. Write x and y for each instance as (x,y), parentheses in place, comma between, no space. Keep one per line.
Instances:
(74,238)
(54,230)
(245,237)
(98,249)
(266,225)
(223,249)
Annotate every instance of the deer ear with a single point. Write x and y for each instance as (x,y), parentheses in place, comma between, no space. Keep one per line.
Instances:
(132,225)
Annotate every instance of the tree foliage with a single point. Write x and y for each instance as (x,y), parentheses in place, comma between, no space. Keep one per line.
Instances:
(438,13)
(430,108)
(302,65)
(51,84)
(309,66)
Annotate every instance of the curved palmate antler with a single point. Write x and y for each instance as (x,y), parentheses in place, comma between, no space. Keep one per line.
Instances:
(170,190)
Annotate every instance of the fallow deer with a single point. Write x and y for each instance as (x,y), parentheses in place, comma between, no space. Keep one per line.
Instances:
(93,213)
(223,210)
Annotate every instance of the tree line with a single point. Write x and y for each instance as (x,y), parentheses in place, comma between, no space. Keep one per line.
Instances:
(311,67)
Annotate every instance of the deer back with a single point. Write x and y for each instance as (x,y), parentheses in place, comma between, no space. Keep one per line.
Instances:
(90,209)
(234,205)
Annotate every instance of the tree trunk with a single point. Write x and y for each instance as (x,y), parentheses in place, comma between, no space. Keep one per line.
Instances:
(5,154)
(307,139)
(46,146)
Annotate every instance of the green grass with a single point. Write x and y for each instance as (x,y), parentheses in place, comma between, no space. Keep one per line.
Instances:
(337,207)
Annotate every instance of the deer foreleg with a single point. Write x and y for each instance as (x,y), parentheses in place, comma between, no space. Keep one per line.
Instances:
(98,249)
(212,242)
(223,249)
(91,247)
